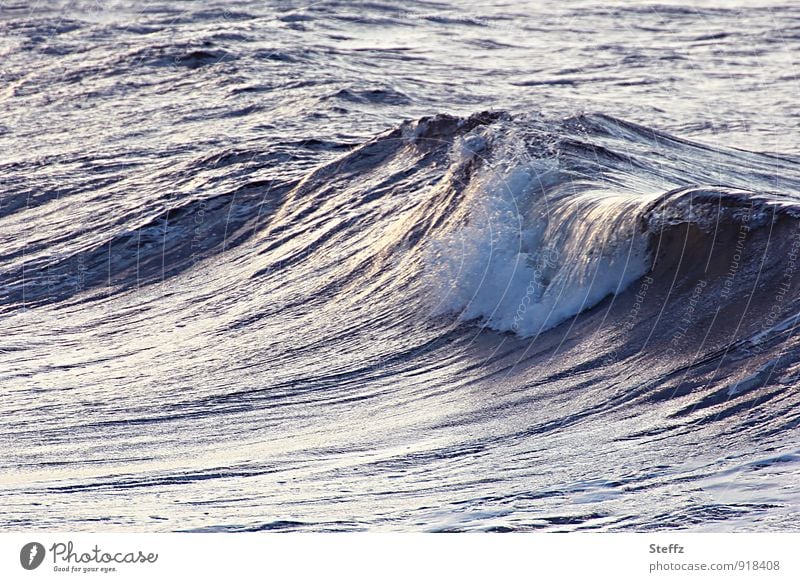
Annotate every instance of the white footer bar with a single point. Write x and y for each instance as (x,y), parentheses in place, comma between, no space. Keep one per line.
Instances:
(406,557)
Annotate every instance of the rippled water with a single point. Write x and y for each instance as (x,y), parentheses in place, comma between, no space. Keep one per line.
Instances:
(379,266)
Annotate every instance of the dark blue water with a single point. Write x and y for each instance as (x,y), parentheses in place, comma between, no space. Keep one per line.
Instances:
(438,266)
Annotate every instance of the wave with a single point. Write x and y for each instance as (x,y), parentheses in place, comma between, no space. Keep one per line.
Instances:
(534,294)
(518,223)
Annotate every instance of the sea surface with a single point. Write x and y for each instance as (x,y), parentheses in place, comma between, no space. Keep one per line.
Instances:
(408,266)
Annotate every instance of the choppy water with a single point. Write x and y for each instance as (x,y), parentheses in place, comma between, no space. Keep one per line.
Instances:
(380,266)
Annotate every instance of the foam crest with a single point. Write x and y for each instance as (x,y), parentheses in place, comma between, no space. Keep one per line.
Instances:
(538,247)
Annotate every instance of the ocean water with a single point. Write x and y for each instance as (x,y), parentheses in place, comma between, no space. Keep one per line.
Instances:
(419,266)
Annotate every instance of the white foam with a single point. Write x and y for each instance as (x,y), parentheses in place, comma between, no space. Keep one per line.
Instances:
(536,249)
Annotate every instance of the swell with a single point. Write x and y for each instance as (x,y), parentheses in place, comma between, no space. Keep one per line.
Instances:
(331,347)
(517,223)
(102,239)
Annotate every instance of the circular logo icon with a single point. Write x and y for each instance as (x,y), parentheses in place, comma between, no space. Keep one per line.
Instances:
(31,555)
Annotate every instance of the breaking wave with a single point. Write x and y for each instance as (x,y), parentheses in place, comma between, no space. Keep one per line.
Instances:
(506,283)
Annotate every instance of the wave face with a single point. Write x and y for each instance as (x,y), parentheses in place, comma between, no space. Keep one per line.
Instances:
(498,321)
